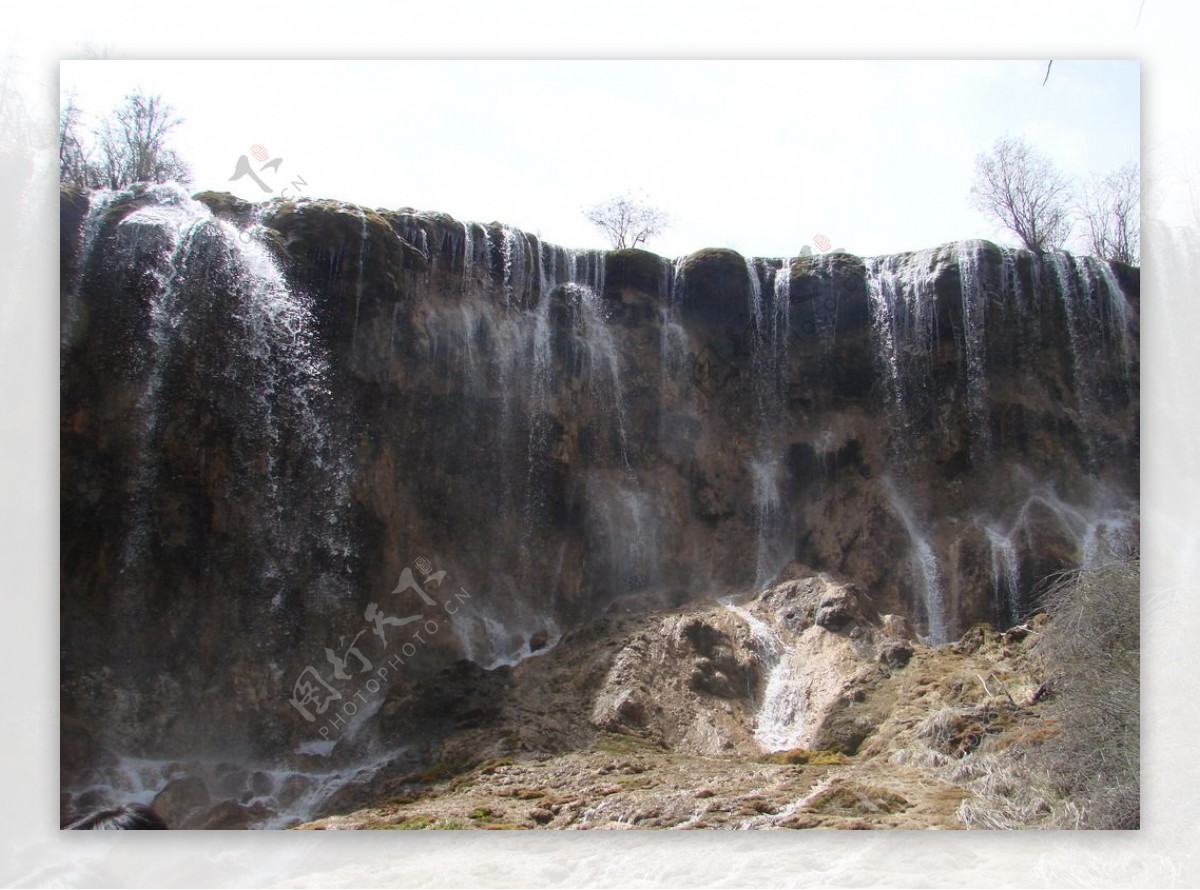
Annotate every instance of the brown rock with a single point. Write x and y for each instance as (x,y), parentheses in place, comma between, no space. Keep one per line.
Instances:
(182,802)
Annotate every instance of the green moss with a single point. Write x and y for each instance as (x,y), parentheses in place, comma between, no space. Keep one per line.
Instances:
(435,773)
(482,814)
(225,205)
(413,823)
(633,783)
(637,269)
(803,756)
(490,766)
(618,743)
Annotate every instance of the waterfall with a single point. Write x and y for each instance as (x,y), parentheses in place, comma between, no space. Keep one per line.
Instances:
(1006,575)
(925,569)
(974,346)
(624,531)
(502,631)
(243,477)
(768,348)
(603,364)
(779,720)
(207,278)
(900,293)
(781,311)
(1097,316)
(1102,531)
(476,249)
(97,210)
(673,338)
(358,285)
(767,510)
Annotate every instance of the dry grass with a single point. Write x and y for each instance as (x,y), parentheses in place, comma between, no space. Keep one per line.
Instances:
(1078,767)
(1092,652)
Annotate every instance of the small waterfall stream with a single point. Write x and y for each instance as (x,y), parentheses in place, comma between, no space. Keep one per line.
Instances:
(779,721)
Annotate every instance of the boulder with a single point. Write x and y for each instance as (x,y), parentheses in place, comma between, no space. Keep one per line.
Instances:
(183,802)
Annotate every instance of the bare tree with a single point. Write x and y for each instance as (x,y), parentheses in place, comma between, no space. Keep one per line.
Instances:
(130,146)
(74,167)
(1023,191)
(1110,207)
(628,221)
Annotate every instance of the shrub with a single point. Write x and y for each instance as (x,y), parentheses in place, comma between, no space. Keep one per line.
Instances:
(1091,647)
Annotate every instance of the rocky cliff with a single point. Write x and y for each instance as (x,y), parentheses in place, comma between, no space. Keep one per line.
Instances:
(312,454)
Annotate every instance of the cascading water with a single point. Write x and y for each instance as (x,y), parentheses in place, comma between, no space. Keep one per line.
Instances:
(767,507)
(235,430)
(924,565)
(276,366)
(1098,325)
(900,290)
(358,286)
(768,348)
(534,340)
(673,339)
(779,720)
(94,218)
(974,336)
(1006,575)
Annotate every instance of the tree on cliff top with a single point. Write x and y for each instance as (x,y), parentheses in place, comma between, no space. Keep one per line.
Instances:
(1024,192)
(1110,206)
(628,221)
(129,146)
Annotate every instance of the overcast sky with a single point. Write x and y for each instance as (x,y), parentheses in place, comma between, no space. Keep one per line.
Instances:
(758,156)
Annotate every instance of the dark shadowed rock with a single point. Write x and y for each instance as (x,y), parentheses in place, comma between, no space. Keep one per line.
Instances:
(182,802)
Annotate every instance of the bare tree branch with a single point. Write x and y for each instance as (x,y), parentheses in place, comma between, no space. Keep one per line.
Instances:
(627,221)
(1110,208)
(1024,192)
(130,145)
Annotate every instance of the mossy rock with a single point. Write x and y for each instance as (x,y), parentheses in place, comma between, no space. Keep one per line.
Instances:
(330,242)
(73,205)
(806,757)
(228,207)
(838,273)
(717,287)
(637,269)
(854,799)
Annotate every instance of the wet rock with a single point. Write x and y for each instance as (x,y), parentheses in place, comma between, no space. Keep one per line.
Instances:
(632,709)
(844,731)
(570,481)
(292,789)
(261,783)
(183,802)
(836,609)
(897,626)
(895,653)
(230,814)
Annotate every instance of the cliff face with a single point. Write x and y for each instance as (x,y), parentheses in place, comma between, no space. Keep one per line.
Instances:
(270,414)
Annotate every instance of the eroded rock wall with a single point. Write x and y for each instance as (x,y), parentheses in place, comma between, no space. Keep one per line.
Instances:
(270,413)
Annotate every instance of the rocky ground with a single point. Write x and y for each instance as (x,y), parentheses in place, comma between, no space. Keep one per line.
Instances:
(658,721)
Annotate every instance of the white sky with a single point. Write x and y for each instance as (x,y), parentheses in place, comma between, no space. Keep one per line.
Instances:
(759,156)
